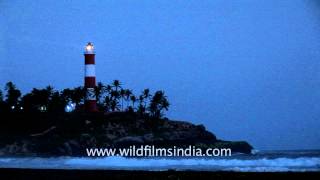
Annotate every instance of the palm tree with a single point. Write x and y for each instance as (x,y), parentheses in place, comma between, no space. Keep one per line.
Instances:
(116,84)
(146,96)
(114,100)
(99,91)
(114,105)
(141,106)
(158,103)
(115,95)
(133,100)
(141,99)
(107,103)
(146,93)
(122,96)
(77,95)
(128,93)
(108,88)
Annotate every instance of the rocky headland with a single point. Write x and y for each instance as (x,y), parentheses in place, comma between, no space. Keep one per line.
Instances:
(69,134)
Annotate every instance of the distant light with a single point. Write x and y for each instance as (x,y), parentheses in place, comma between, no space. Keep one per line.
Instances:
(43,108)
(70,107)
(12,107)
(21,108)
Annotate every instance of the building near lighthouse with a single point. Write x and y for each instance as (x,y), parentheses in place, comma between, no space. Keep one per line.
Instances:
(90,79)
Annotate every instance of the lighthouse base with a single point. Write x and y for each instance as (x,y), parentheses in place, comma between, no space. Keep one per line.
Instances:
(90,106)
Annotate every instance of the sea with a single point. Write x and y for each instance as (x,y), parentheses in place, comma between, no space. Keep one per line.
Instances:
(260,161)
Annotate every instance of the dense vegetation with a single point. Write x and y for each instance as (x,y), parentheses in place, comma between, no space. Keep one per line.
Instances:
(37,123)
(110,98)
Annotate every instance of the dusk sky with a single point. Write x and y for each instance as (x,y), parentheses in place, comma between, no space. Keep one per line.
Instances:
(247,70)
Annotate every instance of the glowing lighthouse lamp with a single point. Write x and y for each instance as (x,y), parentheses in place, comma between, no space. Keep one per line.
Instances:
(89,48)
(90,79)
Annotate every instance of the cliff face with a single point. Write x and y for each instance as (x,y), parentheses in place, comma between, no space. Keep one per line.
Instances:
(71,134)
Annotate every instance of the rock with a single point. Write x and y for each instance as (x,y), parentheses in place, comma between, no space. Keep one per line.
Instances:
(111,137)
(116,130)
(67,148)
(148,138)
(72,147)
(236,146)
(129,140)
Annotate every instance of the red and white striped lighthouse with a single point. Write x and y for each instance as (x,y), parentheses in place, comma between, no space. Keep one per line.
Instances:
(90,79)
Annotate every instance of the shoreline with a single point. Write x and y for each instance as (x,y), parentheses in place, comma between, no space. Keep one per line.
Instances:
(20,173)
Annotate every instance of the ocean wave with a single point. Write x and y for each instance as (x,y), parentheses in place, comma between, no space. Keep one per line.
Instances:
(279,164)
(252,165)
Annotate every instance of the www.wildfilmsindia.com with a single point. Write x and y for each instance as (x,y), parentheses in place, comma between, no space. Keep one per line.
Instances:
(152,151)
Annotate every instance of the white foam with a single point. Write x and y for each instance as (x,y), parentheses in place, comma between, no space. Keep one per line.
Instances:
(251,165)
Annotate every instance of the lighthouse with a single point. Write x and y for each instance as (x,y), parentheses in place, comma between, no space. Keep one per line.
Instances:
(90,79)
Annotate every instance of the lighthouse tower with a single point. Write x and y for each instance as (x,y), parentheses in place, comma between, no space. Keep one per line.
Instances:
(90,79)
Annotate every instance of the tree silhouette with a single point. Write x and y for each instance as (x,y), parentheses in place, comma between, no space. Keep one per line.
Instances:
(114,105)
(114,95)
(37,99)
(141,107)
(67,95)
(143,100)
(158,104)
(2,103)
(1,96)
(99,91)
(128,93)
(78,95)
(133,101)
(57,103)
(108,89)
(109,97)
(122,96)
(107,103)
(75,95)
(116,84)
(13,95)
